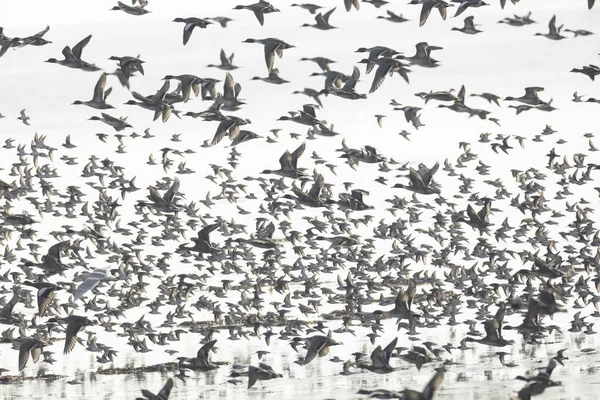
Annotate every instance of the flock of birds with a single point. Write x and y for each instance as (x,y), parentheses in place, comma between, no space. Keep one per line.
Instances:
(522,270)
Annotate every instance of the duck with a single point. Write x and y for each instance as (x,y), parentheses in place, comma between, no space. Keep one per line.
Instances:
(493,330)
(6,312)
(422,55)
(129,65)
(464,4)
(319,345)
(131,10)
(428,5)
(530,97)
(312,198)
(380,359)
(469,27)
(259,9)
(163,394)
(45,294)
(409,394)
(421,183)
(27,346)
(202,243)
(74,325)
(312,93)
(263,372)
(272,78)
(477,220)
(73,57)
(553,33)
(347,91)
(402,304)
(322,62)
(311,8)
(289,164)
(190,24)
(518,20)
(306,116)
(153,103)
(352,3)
(229,125)
(189,83)
(98,101)
(167,202)
(272,46)
(386,66)
(322,21)
(226,62)
(353,201)
(368,154)
(393,17)
(591,71)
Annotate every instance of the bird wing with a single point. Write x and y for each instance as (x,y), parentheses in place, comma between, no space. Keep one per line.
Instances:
(54,251)
(252,375)
(297,154)
(425,11)
(389,349)
(187,32)
(315,190)
(351,83)
(378,358)
(78,48)
(8,307)
(99,88)
(85,286)
(166,390)
(204,232)
(203,352)
(433,384)
(472,214)
(316,345)
(380,75)
(229,86)
(270,55)
(552,26)
(73,328)
(170,194)
(429,174)
(328,14)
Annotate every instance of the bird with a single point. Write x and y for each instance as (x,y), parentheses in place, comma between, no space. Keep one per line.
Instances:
(428,5)
(74,324)
(131,10)
(72,57)
(27,346)
(45,294)
(421,183)
(469,27)
(318,345)
(163,394)
(272,46)
(553,32)
(259,9)
(24,118)
(263,372)
(190,24)
(98,101)
(289,164)
(465,4)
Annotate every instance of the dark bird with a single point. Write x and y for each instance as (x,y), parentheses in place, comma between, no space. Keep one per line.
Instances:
(190,24)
